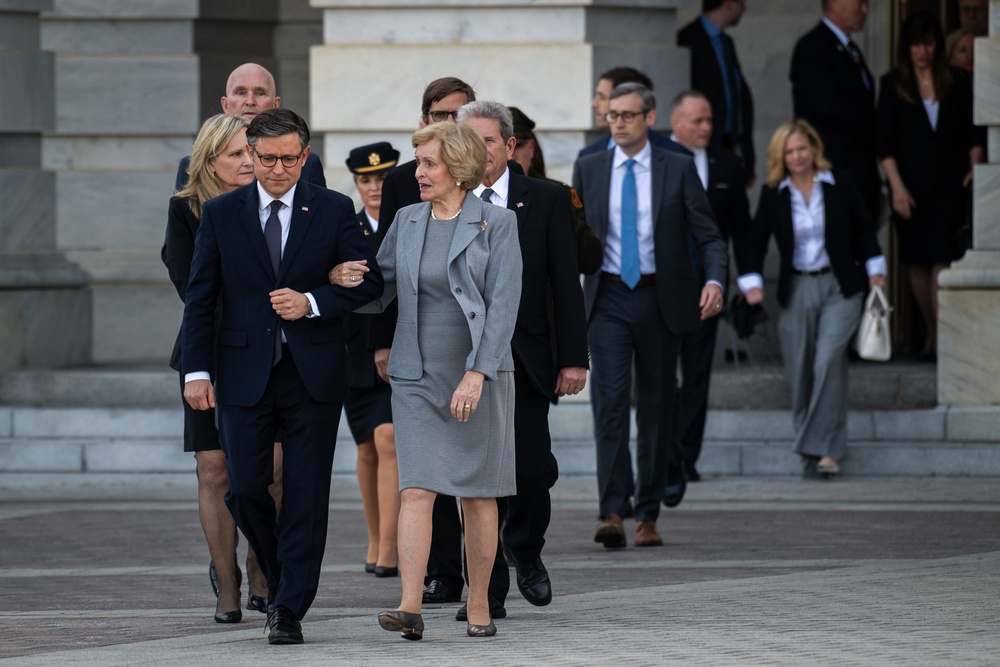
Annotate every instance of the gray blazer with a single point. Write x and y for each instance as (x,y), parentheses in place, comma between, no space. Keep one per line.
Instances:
(680,208)
(484,272)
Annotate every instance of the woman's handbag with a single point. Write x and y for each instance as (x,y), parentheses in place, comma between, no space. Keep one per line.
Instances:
(874,342)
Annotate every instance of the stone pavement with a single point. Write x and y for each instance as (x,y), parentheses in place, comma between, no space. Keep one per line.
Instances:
(111,570)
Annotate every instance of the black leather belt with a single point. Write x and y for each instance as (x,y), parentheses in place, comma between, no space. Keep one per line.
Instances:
(817,272)
(644,281)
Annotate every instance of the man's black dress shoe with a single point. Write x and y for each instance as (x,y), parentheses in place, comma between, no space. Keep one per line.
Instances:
(228,616)
(437,591)
(673,494)
(533,582)
(497,610)
(382,572)
(283,627)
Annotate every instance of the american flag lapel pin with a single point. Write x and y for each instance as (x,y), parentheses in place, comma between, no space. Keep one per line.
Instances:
(483,226)
(520,204)
(305,208)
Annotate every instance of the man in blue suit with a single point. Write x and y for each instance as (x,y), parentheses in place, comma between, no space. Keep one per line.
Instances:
(279,353)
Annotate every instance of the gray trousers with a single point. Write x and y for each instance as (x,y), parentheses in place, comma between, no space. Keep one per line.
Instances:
(815,329)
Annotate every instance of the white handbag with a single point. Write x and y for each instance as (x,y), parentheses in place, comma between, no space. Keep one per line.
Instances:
(874,341)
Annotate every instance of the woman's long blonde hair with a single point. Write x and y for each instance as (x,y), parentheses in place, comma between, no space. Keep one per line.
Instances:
(776,169)
(213,137)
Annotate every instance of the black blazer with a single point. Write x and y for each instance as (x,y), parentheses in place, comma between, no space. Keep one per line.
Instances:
(929,161)
(312,172)
(361,371)
(829,92)
(548,255)
(706,77)
(849,235)
(726,193)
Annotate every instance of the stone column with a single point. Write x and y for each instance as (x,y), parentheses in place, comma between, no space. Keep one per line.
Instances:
(40,291)
(544,57)
(969,295)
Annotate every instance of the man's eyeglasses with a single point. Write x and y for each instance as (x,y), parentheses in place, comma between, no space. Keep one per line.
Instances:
(287,161)
(627,116)
(441,116)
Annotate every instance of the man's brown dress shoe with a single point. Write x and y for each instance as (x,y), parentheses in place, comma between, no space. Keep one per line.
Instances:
(611,532)
(646,535)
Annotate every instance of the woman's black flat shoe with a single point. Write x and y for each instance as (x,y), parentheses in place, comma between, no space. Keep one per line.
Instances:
(369,567)
(410,626)
(482,630)
(228,616)
(382,572)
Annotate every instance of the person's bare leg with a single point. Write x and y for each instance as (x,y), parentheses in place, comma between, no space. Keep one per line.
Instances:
(480,552)
(388,495)
(218,524)
(367,467)
(416,507)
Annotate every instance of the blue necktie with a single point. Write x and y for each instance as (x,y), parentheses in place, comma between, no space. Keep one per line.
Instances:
(630,235)
(272,236)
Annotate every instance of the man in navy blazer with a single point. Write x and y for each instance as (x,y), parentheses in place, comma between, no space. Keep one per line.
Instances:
(607,82)
(716,72)
(279,352)
(834,90)
(250,89)
(721,173)
(643,203)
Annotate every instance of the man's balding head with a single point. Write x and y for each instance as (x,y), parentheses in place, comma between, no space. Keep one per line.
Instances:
(249,90)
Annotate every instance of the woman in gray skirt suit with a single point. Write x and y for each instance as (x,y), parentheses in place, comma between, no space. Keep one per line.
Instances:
(454,263)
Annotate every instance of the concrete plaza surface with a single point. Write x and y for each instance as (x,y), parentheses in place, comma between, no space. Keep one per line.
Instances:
(111,570)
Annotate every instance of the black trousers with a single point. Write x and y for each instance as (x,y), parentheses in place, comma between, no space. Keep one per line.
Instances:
(289,548)
(691,399)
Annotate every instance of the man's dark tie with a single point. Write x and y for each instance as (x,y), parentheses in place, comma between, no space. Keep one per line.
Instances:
(272,236)
(487,194)
(855,53)
(630,233)
(734,120)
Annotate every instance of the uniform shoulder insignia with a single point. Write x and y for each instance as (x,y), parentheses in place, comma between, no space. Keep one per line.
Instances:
(575,198)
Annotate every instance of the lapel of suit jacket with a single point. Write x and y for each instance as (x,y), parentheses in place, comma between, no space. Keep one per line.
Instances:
(302,216)
(471,223)
(713,169)
(658,163)
(603,170)
(249,216)
(412,238)
(785,216)
(519,198)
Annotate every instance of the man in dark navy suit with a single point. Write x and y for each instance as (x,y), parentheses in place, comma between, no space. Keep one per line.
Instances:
(607,82)
(716,72)
(721,174)
(834,90)
(279,353)
(250,89)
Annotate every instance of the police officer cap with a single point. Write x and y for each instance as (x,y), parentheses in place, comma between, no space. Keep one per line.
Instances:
(522,124)
(373,158)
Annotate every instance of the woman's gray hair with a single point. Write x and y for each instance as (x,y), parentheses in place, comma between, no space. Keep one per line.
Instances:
(644,93)
(490,110)
(277,123)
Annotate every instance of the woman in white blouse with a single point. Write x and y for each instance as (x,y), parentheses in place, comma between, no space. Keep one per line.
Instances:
(829,258)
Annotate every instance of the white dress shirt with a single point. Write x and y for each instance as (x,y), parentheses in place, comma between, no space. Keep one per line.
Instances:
(644,209)
(500,189)
(809,233)
(372,221)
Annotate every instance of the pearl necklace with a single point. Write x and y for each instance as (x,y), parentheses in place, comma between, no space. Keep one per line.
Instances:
(448,218)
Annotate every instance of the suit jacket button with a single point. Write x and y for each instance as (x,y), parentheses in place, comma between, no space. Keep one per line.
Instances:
(472,316)
(458,290)
(269,332)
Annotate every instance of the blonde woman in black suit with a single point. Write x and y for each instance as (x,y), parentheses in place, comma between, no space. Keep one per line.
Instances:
(829,258)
